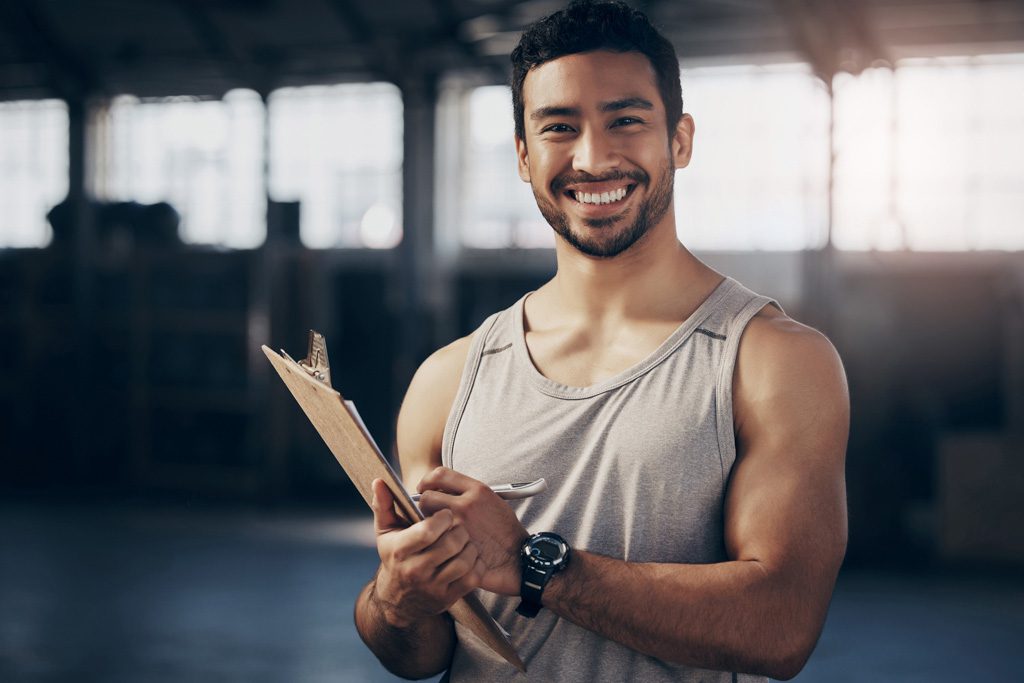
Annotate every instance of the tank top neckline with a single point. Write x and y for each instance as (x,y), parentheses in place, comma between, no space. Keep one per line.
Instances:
(664,350)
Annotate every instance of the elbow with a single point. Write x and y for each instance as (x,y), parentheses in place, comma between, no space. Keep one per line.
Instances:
(790,656)
(786,668)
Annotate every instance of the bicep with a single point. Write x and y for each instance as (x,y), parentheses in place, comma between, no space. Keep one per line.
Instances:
(425,409)
(786,503)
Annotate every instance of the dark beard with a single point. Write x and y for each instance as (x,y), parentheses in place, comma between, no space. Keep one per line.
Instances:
(651,211)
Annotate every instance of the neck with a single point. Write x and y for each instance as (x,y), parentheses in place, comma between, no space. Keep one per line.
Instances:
(642,282)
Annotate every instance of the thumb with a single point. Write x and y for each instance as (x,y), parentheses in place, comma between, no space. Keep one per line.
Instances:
(385,518)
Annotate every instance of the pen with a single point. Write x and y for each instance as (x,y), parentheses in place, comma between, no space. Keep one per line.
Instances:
(513,491)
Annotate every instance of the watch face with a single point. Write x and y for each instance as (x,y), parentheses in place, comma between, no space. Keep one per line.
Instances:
(547,550)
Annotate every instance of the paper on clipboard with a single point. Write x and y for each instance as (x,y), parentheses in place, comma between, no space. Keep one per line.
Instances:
(342,429)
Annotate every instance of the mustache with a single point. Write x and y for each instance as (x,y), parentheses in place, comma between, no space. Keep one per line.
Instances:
(566,179)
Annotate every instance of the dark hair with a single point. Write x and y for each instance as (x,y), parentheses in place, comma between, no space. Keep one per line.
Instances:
(584,26)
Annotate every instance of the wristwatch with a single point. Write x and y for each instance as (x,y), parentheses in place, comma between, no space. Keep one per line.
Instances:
(544,555)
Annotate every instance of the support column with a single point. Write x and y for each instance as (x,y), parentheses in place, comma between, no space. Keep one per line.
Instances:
(83,265)
(819,272)
(416,252)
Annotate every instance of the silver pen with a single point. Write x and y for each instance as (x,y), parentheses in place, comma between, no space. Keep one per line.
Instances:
(514,491)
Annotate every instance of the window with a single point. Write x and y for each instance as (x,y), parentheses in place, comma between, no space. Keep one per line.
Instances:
(338,151)
(928,156)
(203,157)
(489,205)
(754,182)
(33,169)
(758,178)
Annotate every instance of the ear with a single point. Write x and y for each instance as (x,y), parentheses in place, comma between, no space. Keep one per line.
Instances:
(682,141)
(524,159)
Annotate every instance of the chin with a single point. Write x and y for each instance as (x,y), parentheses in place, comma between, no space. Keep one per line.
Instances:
(604,246)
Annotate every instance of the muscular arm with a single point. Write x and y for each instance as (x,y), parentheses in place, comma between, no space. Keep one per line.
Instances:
(785,527)
(400,614)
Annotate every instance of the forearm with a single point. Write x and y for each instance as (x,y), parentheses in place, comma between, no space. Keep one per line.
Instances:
(410,650)
(731,616)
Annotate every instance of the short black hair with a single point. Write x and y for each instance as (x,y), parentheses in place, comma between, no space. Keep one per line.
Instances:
(585,26)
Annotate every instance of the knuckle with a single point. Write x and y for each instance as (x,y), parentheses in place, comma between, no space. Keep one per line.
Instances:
(402,572)
(448,544)
(445,516)
(460,534)
(426,530)
(473,552)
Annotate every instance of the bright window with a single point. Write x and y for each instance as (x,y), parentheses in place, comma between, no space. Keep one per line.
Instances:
(33,169)
(758,178)
(493,207)
(338,151)
(203,157)
(929,156)
(754,183)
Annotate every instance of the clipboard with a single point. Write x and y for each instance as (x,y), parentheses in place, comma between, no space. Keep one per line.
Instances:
(341,428)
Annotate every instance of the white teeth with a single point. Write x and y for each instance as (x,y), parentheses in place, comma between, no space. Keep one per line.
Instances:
(600,198)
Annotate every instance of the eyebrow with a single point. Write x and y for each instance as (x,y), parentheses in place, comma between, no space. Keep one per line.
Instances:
(614,105)
(627,103)
(549,112)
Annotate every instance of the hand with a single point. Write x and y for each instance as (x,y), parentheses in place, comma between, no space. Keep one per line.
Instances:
(491,523)
(425,567)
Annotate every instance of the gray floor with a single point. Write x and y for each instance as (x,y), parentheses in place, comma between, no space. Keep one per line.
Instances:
(144,594)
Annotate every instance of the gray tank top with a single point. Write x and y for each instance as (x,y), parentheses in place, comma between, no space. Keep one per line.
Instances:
(636,467)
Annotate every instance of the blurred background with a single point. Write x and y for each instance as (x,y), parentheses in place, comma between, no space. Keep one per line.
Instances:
(182,181)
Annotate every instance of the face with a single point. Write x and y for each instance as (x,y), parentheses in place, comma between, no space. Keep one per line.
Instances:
(597,154)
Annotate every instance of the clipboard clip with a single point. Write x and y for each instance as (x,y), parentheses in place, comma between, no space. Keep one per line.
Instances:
(315,364)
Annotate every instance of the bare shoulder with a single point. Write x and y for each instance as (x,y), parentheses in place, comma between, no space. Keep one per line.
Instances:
(775,349)
(785,367)
(428,400)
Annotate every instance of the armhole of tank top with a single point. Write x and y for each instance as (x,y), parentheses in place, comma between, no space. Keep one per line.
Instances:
(723,390)
(469,371)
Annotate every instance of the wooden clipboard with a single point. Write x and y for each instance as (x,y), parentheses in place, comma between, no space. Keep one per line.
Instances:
(347,438)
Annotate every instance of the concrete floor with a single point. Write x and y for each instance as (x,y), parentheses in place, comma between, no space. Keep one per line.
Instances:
(143,594)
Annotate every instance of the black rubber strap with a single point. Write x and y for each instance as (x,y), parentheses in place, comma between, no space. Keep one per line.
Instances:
(531,589)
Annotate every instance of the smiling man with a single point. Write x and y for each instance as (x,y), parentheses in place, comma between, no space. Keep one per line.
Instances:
(691,434)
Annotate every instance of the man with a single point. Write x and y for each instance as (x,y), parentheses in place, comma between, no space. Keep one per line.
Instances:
(692,435)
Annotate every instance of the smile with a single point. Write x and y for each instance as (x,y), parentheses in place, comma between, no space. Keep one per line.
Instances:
(609,197)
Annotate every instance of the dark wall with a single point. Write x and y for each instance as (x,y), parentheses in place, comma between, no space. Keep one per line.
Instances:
(181,399)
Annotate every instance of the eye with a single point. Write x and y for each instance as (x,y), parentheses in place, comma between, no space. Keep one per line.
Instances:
(626,121)
(557,128)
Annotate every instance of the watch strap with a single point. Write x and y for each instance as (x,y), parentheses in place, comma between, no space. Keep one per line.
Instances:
(531,589)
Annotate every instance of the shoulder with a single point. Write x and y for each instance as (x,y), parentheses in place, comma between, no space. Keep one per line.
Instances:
(428,400)
(443,368)
(783,364)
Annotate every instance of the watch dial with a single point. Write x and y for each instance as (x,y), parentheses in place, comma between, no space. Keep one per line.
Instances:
(546,549)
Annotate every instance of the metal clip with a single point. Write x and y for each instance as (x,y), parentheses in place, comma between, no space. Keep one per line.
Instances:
(315,363)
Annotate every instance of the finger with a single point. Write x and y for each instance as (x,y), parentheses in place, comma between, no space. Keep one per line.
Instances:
(424,534)
(447,546)
(459,565)
(467,582)
(383,505)
(448,480)
(432,502)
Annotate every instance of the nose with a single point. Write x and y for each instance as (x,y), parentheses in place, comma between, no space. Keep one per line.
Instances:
(594,153)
